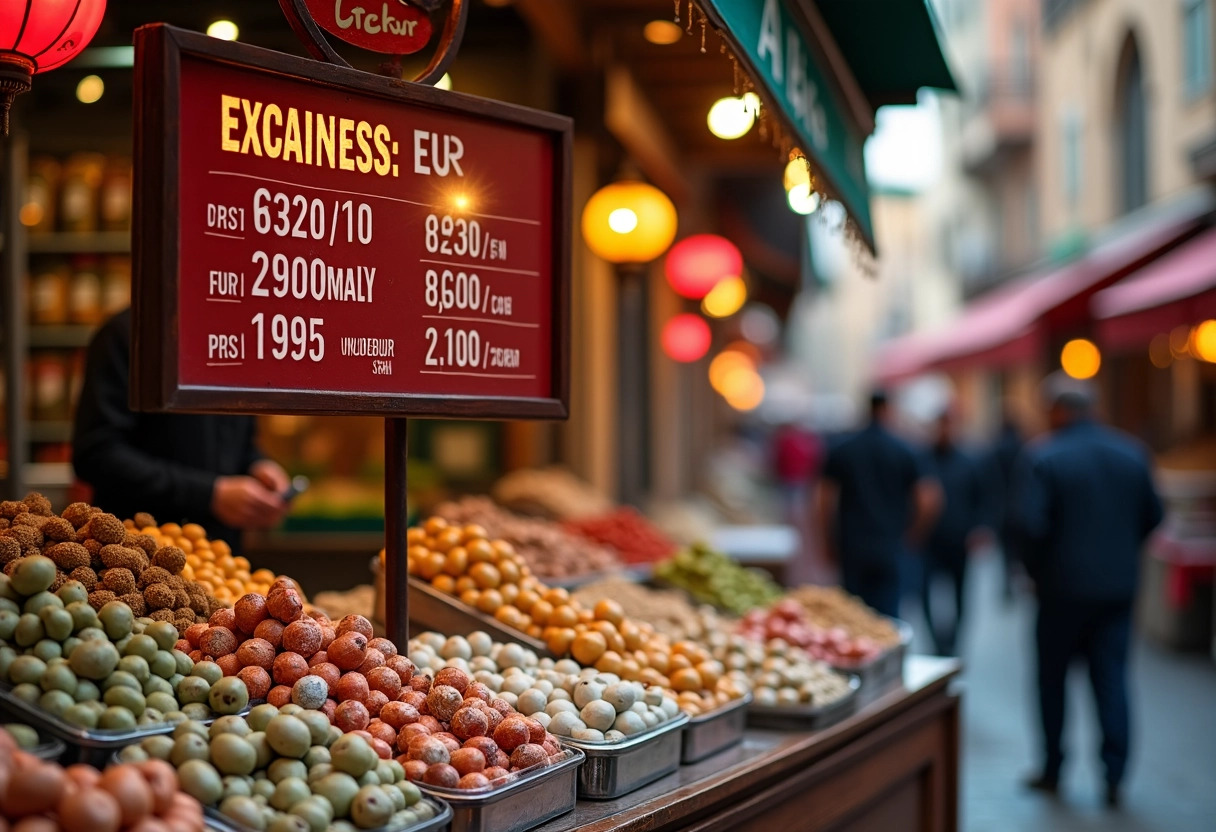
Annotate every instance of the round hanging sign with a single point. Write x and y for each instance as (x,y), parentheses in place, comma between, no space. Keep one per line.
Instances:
(393,27)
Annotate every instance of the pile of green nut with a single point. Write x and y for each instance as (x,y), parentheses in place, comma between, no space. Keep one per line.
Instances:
(711,577)
(287,770)
(100,669)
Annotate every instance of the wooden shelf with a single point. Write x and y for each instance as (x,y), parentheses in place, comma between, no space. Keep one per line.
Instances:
(50,431)
(69,242)
(48,475)
(64,336)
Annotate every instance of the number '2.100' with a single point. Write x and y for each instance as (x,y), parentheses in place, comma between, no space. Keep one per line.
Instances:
(463,348)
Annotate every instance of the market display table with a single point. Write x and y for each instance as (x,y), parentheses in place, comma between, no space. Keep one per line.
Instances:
(892,765)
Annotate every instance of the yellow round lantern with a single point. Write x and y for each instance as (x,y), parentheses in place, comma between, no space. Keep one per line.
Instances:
(629,222)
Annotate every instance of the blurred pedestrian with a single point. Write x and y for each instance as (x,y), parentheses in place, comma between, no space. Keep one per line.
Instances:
(875,498)
(1002,459)
(960,529)
(1084,499)
(797,454)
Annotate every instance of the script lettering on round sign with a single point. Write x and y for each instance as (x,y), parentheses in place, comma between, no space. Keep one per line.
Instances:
(355,245)
(392,27)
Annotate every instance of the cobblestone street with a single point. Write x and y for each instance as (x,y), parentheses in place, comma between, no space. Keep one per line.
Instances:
(1171,786)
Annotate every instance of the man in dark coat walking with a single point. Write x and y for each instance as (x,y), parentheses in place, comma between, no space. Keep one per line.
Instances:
(959,530)
(875,498)
(1085,503)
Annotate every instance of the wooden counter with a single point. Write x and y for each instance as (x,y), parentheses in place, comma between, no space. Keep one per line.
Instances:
(893,765)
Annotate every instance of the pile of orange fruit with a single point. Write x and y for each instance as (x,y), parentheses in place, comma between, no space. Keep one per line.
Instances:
(491,577)
(211,563)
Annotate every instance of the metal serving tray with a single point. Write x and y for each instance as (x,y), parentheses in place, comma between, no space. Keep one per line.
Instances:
(639,573)
(885,669)
(802,717)
(84,745)
(434,610)
(616,768)
(715,731)
(48,748)
(529,799)
(213,819)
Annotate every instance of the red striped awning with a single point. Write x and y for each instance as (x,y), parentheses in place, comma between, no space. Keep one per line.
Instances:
(1179,288)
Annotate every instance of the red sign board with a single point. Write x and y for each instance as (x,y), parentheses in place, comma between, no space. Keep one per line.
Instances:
(391,26)
(311,239)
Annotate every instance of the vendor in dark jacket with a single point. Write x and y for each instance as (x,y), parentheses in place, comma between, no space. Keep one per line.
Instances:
(203,468)
(1085,503)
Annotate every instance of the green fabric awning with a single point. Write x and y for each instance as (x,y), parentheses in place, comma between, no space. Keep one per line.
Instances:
(892,46)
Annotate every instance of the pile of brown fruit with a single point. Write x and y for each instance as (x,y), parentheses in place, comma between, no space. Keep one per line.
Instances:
(113,562)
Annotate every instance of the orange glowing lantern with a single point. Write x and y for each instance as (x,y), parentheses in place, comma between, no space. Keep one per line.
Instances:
(37,35)
(696,264)
(686,337)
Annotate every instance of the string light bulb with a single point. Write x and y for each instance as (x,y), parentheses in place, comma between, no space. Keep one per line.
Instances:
(732,117)
(224,30)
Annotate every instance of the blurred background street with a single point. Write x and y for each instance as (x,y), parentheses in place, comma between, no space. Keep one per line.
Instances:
(1170,787)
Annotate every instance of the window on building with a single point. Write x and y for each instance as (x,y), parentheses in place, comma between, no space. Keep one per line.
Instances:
(1131,128)
(1196,47)
(1071,145)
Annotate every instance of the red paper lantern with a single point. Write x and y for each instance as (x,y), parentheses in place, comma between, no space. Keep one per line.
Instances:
(697,263)
(686,337)
(37,35)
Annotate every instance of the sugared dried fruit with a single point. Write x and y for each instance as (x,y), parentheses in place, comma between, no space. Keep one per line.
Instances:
(256,652)
(218,641)
(302,636)
(169,558)
(352,686)
(159,597)
(348,650)
(469,722)
(355,624)
(289,668)
(284,604)
(271,631)
(351,716)
(443,701)
(453,677)
(250,611)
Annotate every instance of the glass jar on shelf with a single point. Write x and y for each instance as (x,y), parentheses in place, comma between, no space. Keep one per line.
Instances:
(49,294)
(42,188)
(116,194)
(48,387)
(115,285)
(79,193)
(85,298)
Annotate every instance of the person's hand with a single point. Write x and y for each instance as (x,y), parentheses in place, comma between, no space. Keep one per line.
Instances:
(270,474)
(246,503)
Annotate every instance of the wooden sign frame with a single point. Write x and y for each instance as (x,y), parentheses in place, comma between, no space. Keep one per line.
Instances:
(155,384)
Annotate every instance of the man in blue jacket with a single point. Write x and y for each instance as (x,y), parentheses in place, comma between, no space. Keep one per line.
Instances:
(961,528)
(1085,503)
(875,499)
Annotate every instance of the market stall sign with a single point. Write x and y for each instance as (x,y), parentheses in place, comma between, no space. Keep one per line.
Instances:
(780,58)
(312,239)
(390,26)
